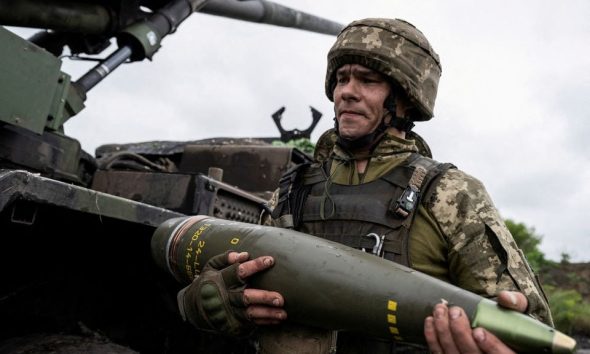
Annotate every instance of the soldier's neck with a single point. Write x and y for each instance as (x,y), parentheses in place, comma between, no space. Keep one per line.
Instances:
(361,164)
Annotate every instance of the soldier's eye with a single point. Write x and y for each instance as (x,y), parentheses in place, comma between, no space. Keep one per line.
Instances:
(341,79)
(370,79)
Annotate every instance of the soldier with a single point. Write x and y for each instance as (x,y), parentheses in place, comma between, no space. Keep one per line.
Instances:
(374,186)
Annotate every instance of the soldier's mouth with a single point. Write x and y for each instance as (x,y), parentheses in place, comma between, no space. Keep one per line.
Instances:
(350,114)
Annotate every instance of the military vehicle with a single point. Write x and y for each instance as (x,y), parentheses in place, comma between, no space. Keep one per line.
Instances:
(75,263)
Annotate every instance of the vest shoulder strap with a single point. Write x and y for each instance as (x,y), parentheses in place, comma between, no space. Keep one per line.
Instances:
(426,174)
(419,187)
(289,190)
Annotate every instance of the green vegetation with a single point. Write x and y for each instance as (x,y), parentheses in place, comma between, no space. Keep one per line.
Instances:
(302,144)
(529,242)
(571,313)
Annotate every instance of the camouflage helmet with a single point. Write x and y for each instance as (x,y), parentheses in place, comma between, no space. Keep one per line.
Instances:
(394,48)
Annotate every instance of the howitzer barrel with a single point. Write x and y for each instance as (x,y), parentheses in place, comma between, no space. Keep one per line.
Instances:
(96,18)
(270,13)
(329,285)
(60,15)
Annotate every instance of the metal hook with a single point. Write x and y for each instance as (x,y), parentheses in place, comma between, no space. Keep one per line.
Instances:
(378,243)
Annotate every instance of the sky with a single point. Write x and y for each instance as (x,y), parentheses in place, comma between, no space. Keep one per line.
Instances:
(512,107)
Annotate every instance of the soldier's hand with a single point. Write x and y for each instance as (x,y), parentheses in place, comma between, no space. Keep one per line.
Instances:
(449,330)
(218,299)
(262,306)
(513,300)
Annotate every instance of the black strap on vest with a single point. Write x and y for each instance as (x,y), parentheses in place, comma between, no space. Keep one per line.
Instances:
(420,189)
(287,211)
(418,175)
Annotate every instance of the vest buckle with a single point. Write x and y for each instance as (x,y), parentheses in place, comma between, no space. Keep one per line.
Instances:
(407,202)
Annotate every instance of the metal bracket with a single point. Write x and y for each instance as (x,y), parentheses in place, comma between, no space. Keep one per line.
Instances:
(287,135)
(23,213)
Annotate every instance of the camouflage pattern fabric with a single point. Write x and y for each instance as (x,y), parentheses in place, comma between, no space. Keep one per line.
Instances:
(482,249)
(328,139)
(325,144)
(421,144)
(266,218)
(390,152)
(394,48)
(459,236)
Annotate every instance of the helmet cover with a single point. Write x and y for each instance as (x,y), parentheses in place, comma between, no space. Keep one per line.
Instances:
(396,49)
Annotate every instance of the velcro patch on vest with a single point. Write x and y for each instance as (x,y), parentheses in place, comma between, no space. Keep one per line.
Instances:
(351,207)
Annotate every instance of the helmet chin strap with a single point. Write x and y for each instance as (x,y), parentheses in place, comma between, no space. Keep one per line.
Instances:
(369,141)
(363,143)
(400,123)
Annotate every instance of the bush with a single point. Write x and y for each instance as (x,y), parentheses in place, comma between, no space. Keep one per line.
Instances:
(570,314)
(528,241)
(302,144)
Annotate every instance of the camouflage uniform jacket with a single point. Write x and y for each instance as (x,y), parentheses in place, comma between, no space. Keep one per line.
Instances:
(458,236)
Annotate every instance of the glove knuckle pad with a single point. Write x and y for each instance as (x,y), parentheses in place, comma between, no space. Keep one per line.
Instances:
(214,301)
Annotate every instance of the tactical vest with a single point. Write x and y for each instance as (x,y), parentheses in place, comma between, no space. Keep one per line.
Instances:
(376,216)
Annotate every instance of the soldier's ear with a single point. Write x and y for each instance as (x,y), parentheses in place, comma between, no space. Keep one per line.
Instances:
(387,118)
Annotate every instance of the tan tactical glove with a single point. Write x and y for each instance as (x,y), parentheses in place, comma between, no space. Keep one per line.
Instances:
(215,299)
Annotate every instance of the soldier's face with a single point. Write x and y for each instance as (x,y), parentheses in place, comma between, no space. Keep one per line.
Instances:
(358,100)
